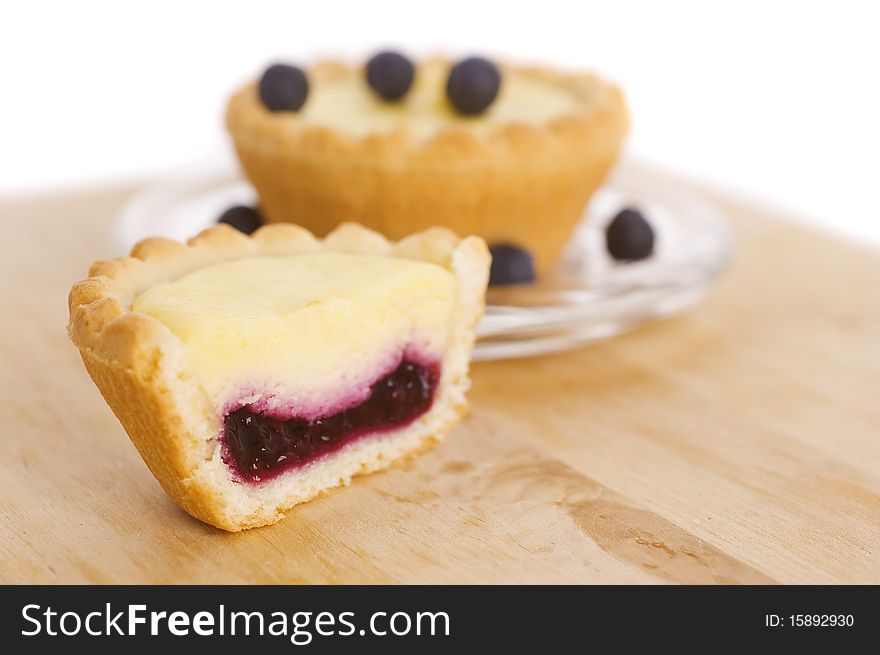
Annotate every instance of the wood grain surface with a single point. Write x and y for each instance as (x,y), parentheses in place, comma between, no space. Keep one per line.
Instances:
(738,443)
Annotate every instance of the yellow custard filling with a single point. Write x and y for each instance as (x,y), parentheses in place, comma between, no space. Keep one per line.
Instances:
(308,331)
(346,103)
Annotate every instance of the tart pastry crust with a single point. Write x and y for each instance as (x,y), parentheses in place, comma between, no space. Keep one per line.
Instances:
(139,366)
(522,183)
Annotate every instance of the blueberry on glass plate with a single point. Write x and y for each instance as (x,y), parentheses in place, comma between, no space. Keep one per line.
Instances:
(242,218)
(629,237)
(510,265)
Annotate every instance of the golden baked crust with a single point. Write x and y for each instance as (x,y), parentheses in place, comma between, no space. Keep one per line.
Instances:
(528,184)
(138,364)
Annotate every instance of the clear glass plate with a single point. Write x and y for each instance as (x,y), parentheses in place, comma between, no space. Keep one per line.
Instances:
(587,298)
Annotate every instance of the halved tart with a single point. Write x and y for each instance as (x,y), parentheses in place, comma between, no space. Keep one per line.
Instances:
(255,373)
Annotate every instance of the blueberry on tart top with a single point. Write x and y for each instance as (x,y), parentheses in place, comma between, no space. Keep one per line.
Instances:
(255,372)
(509,153)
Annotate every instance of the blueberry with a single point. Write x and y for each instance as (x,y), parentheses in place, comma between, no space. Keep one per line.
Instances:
(629,236)
(473,85)
(242,218)
(284,88)
(390,74)
(510,265)
(259,446)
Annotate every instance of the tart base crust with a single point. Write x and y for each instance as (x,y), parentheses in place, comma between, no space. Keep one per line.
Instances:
(525,184)
(139,367)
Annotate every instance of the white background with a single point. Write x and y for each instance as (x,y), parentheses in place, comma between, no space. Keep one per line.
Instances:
(778,100)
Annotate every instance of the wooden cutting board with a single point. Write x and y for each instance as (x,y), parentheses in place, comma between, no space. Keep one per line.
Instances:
(738,443)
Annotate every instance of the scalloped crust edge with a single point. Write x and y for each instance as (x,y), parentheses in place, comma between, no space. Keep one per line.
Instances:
(138,365)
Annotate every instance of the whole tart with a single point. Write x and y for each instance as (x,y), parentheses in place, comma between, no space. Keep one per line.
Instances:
(521,172)
(256,372)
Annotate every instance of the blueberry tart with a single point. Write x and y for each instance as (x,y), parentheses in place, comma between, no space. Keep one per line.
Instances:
(256,372)
(511,154)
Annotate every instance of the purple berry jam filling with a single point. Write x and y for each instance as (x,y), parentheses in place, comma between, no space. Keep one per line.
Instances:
(258,446)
